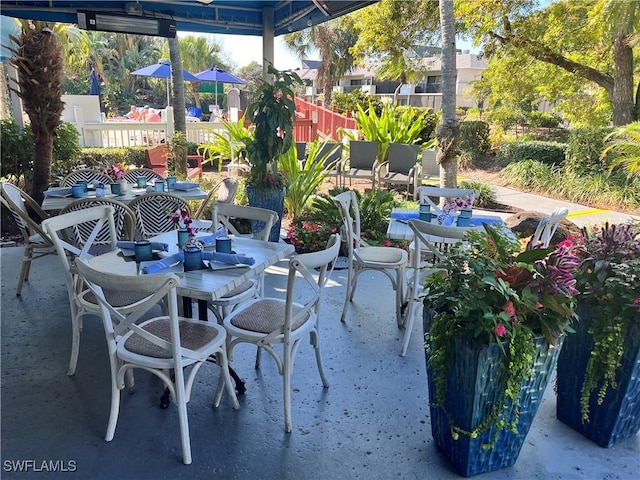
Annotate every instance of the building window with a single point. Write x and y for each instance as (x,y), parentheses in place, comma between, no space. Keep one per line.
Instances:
(433,84)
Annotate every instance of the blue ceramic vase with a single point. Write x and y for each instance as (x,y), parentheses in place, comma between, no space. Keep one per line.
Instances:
(271,198)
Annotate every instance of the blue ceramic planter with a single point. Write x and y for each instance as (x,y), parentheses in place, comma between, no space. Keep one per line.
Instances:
(272,199)
(619,415)
(473,387)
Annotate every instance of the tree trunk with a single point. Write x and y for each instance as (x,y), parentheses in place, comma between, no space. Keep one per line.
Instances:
(622,95)
(179,115)
(43,151)
(448,130)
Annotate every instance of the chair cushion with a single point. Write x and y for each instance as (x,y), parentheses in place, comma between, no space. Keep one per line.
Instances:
(388,255)
(243,287)
(193,335)
(116,299)
(265,316)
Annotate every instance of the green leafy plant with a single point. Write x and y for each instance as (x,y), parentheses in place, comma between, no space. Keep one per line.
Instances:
(608,280)
(389,127)
(624,144)
(546,152)
(272,115)
(304,178)
(232,143)
(491,292)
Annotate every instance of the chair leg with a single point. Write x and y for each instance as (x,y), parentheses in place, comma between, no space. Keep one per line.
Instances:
(224,381)
(24,271)
(75,338)
(399,295)
(286,388)
(315,341)
(115,400)
(181,403)
(408,325)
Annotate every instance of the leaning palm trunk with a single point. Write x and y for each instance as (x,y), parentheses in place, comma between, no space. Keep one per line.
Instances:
(38,59)
(179,116)
(448,130)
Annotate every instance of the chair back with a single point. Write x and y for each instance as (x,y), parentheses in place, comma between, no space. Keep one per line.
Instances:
(223,213)
(548,226)
(331,152)
(304,265)
(363,154)
(301,151)
(87,174)
(434,238)
(430,167)
(152,212)
(94,219)
(150,176)
(224,191)
(429,194)
(17,202)
(402,157)
(347,203)
(125,222)
(156,158)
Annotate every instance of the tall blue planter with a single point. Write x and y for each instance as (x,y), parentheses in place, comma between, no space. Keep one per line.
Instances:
(473,386)
(619,415)
(272,199)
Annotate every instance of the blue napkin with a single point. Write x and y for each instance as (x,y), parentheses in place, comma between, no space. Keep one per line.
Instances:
(58,192)
(162,264)
(127,245)
(186,186)
(405,214)
(211,239)
(477,221)
(228,258)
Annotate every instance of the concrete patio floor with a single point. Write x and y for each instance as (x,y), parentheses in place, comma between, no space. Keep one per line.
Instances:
(372,423)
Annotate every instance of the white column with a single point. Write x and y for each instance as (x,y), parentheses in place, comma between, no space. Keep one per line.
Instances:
(267,41)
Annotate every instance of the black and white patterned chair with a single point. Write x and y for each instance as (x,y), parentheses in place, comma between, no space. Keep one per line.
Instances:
(152,212)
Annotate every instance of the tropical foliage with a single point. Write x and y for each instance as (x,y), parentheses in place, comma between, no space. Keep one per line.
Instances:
(624,144)
(491,292)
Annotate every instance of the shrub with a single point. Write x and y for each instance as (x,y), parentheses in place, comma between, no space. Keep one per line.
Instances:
(99,157)
(350,101)
(487,194)
(583,151)
(473,141)
(430,120)
(543,119)
(549,153)
(18,149)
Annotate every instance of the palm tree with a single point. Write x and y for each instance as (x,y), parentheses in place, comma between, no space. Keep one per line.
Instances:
(37,56)
(333,39)
(447,133)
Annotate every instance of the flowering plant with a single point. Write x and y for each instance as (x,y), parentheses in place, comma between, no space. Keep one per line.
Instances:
(272,115)
(490,291)
(609,279)
(183,220)
(116,172)
(308,235)
(452,205)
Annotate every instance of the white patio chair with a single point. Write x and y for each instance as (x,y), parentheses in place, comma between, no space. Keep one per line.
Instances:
(223,214)
(152,212)
(124,220)
(37,242)
(363,257)
(429,245)
(160,345)
(548,226)
(427,194)
(269,321)
(74,235)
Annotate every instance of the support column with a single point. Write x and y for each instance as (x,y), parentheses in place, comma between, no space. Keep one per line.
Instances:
(268,22)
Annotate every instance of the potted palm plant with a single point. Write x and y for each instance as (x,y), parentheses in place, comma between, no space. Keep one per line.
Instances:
(598,384)
(272,115)
(495,318)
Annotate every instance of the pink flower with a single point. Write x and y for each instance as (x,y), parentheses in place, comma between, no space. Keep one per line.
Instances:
(501,330)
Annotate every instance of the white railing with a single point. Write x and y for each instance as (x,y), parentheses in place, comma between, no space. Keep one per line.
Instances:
(127,133)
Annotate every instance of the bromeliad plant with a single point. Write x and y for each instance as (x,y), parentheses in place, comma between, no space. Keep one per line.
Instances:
(609,282)
(490,291)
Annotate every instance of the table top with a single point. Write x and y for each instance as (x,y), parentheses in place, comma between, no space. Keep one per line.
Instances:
(398,228)
(58,203)
(203,284)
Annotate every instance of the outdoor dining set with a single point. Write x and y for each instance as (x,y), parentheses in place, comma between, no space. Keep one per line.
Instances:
(99,240)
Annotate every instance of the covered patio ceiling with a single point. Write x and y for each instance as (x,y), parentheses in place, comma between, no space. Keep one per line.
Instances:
(239,17)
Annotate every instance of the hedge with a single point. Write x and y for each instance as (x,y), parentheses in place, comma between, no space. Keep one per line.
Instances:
(473,141)
(583,151)
(550,153)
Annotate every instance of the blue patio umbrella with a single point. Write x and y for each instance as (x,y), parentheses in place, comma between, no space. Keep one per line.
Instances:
(214,74)
(94,83)
(162,69)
